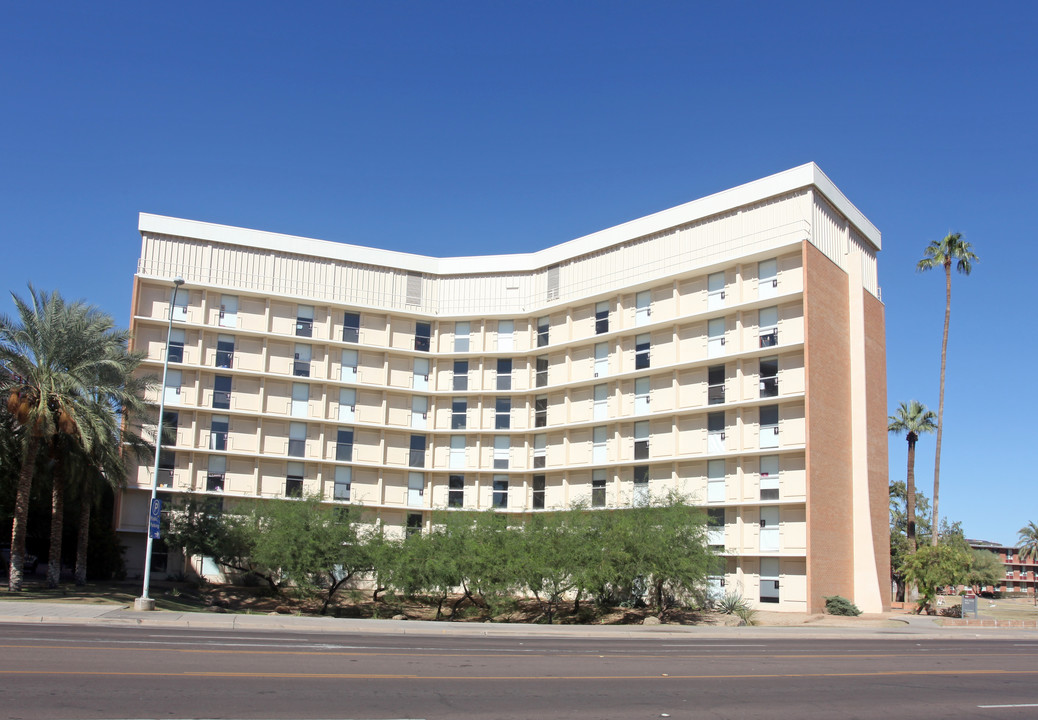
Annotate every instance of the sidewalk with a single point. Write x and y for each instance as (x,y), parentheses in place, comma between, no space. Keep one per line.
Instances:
(902,626)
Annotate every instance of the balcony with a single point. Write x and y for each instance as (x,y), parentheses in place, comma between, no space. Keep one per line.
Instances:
(769,339)
(715,394)
(304,327)
(296,447)
(768,387)
(294,487)
(301,368)
(222,399)
(224,359)
(344,451)
(350,335)
(176,353)
(214,482)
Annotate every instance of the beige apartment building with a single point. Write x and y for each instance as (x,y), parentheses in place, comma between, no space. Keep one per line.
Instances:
(731,349)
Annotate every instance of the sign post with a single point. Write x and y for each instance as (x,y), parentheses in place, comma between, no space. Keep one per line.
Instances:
(154,519)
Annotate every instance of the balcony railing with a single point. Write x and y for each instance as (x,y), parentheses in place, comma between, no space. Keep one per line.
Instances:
(214,482)
(304,327)
(222,399)
(769,339)
(768,387)
(224,359)
(350,335)
(715,394)
(301,368)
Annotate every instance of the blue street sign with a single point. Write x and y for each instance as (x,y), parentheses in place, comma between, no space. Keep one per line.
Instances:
(153,519)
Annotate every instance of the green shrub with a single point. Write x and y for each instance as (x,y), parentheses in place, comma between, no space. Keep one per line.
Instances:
(747,615)
(732,604)
(839,605)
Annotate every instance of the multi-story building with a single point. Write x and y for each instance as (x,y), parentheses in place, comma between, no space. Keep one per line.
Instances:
(1021,574)
(731,349)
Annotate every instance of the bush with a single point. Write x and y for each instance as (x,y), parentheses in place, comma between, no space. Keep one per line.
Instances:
(747,615)
(839,605)
(954,611)
(732,604)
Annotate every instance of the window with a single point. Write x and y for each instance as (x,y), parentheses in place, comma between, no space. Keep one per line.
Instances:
(769,477)
(767,278)
(504,374)
(347,404)
(343,481)
(601,359)
(456,491)
(641,440)
(415,488)
(301,361)
(715,385)
(413,291)
(642,307)
(769,377)
(457,454)
(300,399)
(422,336)
(769,580)
(502,451)
(543,328)
(351,328)
(540,450)
(598,488)
(225,351)
(503,413)
(715,432)
(461,337)
(180,305)
(461,375)
(228,311)
(297,439)
(175,351)
(552,283)
(420,374)
(641,484)
(602,317)
(171,392)
(715,337)
(218,432)
(505,331)
(542,372)
(294,480)
(167,464)
(170,423)
(769,428)
(641,396)
(416,456)
(599,445)
(600,408)
(217,472)
(221,392)
(715,474)
(540,411)
(348,371)
(459,408)
(538,492)
(414,524)
(305,321)
(500,491)
(768,537)
(768,324)
(641,351)
(715,528)
(344,444)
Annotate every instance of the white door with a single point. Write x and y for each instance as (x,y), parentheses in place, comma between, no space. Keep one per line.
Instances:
(457,456)
(641,396)
(300,399)
(601,359)
(598,448)
(715,471)
(229,311)
(419,412)
(642,305)
(172,390)
(180,306)
(715,337)
(347,404)
(348,373)
(769,437)
(769,529)
(715,291)
(415,489)
(601,407)
(767,279)
(420,380)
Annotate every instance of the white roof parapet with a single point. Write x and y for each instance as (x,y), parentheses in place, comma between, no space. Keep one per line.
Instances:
(799,177)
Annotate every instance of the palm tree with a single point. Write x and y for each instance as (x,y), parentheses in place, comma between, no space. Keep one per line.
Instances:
(952,249)
(57,356)
(1029,547)
(913,419)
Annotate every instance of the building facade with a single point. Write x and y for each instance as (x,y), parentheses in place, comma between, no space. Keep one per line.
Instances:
(731,349)
(1021,574)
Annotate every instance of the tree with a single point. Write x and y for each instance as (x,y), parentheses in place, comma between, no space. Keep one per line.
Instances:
(899,531)
(952,249)
(985,569)
(58,356)
(932,567)
(913,419)
(1028,539)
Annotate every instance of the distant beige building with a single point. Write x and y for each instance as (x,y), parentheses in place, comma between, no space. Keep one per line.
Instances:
(731,348)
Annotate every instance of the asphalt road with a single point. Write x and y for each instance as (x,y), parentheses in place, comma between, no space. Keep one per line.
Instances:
(55,671)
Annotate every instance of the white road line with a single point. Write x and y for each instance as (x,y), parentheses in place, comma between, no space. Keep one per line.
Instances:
(986,707)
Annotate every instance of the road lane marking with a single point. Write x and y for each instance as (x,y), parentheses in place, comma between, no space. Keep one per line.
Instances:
(1008,706)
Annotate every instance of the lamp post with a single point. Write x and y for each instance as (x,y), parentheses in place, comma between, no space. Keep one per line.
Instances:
(144,602)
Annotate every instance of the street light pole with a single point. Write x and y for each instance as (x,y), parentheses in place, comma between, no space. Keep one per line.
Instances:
(144,602)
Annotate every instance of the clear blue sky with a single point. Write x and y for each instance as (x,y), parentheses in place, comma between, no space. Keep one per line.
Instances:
(461,128)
